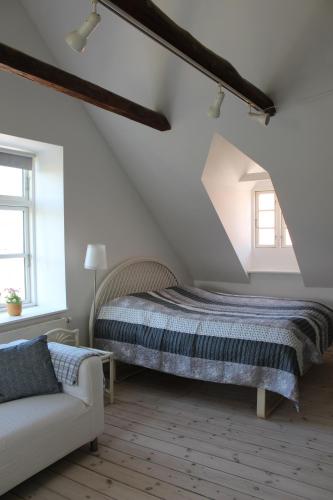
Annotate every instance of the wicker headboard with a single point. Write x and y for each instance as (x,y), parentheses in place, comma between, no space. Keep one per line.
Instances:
(135,275)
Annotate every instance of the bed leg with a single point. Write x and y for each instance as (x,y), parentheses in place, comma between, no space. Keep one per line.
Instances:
(94,445)
(267,402)
(261,403)
(112,379)
(114,368)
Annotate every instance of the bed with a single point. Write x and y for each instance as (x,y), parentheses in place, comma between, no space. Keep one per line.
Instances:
(146,318)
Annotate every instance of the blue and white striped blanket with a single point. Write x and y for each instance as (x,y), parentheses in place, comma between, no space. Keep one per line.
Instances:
(257,341)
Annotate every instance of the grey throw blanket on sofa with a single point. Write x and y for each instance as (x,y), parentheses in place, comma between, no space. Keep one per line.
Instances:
(67,360)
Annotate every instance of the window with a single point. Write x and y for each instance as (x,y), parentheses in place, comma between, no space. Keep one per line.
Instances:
(16,225)
(269,224)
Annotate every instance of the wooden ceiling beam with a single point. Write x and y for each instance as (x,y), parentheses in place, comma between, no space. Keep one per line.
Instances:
(147,17)
(21,64)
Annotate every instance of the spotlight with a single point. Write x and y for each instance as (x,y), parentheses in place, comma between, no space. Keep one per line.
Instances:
(262,118)
(77,39)
(215,109)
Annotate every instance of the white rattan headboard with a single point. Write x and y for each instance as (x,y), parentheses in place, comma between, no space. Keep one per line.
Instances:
(132,276)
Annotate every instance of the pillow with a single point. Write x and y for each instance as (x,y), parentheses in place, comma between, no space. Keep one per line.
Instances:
(26,370)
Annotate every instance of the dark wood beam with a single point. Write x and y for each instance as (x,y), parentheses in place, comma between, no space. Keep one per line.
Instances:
(14,61)
(147,17)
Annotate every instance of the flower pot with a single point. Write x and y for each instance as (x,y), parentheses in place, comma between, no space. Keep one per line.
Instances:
(14,309)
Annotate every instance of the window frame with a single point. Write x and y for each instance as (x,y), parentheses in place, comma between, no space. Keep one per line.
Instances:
(256,219)
(284,230)
(26,204)
(280,224)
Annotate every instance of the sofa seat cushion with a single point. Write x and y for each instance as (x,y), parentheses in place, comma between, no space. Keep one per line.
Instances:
(25,422)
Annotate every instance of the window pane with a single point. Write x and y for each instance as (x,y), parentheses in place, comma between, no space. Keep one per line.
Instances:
(12,276)
(11,231)
(266,237)
(267,219)
(11,181)
(266,201)
(287,239)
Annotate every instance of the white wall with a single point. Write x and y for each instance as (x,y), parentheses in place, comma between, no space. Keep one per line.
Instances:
(231,199)
(50,238)
(285,48)
(100,203)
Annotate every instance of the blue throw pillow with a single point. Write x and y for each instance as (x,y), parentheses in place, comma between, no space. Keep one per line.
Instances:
(26,369)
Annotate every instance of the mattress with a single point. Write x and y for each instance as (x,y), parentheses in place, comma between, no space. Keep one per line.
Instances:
(247,340)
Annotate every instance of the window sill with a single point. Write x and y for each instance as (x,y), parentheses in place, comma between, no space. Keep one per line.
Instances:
(272,271)
(28,313)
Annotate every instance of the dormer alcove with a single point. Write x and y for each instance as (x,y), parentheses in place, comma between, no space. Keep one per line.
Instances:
(247,205)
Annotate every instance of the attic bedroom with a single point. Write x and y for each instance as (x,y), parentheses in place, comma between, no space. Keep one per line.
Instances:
(166,272)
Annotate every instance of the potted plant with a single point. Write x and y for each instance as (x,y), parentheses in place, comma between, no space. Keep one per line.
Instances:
(13,302)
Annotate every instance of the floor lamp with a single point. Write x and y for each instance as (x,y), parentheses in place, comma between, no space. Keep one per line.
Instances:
(95,260)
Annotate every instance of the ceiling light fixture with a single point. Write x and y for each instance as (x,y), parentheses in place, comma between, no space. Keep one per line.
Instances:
(215,109)
(77,39)
(262,118)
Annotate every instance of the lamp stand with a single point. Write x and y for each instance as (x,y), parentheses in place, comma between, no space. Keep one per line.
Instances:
(95,259)
(94,310)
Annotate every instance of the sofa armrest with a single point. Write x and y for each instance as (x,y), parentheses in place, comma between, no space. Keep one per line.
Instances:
(90,387)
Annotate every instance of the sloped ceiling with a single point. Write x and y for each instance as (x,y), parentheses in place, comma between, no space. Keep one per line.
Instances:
(283,47)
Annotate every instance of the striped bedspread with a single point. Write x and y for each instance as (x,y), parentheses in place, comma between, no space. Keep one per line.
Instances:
(246,340)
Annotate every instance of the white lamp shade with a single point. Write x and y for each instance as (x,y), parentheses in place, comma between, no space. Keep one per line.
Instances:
(96,257)
(77,39)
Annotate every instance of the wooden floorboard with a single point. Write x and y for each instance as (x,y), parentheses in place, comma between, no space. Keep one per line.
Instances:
(236,438)
(258,456)
(174,439)
(218,449)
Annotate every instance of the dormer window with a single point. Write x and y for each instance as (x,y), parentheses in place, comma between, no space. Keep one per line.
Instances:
(270,230)
(245,200)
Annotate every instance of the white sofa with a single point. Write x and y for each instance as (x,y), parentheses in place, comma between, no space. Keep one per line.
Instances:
(39,430)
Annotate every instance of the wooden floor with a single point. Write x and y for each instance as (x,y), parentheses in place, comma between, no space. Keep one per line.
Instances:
(172,438)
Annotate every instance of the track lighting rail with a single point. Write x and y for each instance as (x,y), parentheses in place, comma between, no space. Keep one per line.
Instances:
(148,18)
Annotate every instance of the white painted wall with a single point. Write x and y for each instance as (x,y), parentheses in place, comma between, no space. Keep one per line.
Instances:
(273,260)
(100,202)
(30,330)
(224,166)
(50,237)
(284,47)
